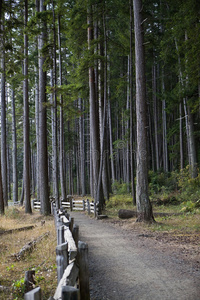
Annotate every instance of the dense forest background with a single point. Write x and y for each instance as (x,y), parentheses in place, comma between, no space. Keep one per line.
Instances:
(68,97)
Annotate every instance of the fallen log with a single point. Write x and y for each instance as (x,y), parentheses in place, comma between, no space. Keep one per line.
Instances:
(16,229)
(127,214)
(29,247)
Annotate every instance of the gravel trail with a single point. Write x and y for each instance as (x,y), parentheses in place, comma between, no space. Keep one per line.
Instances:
(127,265)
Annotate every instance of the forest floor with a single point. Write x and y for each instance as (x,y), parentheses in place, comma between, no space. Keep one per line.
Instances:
(127,260)
(135,261)
(42,258)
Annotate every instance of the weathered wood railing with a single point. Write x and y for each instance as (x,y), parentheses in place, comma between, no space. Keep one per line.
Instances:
(73,205)
(72,262)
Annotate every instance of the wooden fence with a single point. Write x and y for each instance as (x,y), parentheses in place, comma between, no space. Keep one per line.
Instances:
(72,205)
(72,261)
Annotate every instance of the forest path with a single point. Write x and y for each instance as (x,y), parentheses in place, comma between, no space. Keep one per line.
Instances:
(125,265)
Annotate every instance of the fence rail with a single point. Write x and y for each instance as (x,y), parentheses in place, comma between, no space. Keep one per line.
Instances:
(72,205)
(71,258)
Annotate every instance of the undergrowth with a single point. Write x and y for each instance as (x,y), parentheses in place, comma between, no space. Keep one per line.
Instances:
(42,259)
(173,193)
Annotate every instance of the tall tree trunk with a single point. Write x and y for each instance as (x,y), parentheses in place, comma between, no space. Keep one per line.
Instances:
(110,135)
(62,141)
(1,186)
(144,208)
(14,150)
(2,208)
(127,159)
(102,170)
(164,127)
(26,171)
(3,122)
(155,113)
(181,137)
(94,133)
(9,170)
(131,105)
(43,156)
(37,112)
(54,119)
(103,110)
(82,148)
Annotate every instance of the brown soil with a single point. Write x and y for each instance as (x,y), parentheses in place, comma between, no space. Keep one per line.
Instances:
(129,261)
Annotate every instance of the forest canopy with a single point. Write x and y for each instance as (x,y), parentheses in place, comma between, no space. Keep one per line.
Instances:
(68,97)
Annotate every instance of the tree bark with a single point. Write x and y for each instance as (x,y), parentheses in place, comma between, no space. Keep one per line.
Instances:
(94,130)
(43,156)
(164,127)
(131,105)
(26,170)
(54,118)
(3,121)
(37,112)
(14,150)
(181,137)
(2,211)
(2,208)
(82,148)
(155,113)
(110,135)
(62,141)
(144,208)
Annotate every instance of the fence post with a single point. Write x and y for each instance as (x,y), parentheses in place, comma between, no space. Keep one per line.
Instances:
(83,270)
(71,223)
(75,234)
(69,293)
(95,207)
(88,206)
(52,208)
(62,259)
(83,205)
(32,203)
(35,294)
(60,234)
(71,204)
(29,280)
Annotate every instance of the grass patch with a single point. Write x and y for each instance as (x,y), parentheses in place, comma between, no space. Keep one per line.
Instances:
(184,222)
(42,259)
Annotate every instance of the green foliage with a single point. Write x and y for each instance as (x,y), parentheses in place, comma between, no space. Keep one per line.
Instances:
(162,182)
(18,289)
(176,187)
(12,213)
(10,268)
(119,201)
(120,188)
(186,183)
(191,207)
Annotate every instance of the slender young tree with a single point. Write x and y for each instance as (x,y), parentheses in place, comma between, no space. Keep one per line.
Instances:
(144,208)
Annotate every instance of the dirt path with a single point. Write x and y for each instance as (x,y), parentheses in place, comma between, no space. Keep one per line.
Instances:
(126,265)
